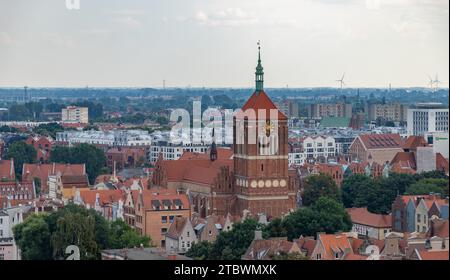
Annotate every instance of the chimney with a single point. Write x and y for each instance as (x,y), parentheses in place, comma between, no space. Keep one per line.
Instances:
(258,235)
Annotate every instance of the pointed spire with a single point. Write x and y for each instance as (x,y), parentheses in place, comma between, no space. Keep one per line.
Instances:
(259,74)
(213,152)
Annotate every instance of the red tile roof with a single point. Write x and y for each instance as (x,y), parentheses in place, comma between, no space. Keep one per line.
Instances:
(7,169)
(260,101)
(42,171)
(105,196)
(334,243)
(176,228)
(433,255)
(381,141)
(197,168)
(442,163)
(405,160)
(439,228)
(415,141)
(363,217)
(265,249)
(306,244)
(148,196)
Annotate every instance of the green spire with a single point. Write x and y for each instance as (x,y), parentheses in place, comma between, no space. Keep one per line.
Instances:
(259,74)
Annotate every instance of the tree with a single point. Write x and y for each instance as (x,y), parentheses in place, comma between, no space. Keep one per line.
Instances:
(49,129)
(325,215)
(75,228)
(33,238)
(387,190)
(95,110)
(318,186)
(35,109)
(5,128)
(358,190)
(429,185)
(22,153)
(93,157)
(46,236)
(123,236)
(200,250)
(231,245)
(18,112)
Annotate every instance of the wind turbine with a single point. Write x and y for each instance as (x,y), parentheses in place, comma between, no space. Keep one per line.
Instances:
(341,81)
(431,82)
(436,82)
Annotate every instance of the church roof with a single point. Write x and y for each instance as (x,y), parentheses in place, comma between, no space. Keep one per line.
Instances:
(260,101)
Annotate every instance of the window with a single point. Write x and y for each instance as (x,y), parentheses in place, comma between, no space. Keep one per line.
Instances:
(163,219)
(336,255)
(319,256)
(171,219)
(188,233)
(163,230)
(210,233)
(418,218)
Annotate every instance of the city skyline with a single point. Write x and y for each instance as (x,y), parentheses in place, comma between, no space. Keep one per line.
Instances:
(192,43)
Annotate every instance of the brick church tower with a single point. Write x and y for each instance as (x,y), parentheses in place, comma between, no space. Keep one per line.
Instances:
(260,146)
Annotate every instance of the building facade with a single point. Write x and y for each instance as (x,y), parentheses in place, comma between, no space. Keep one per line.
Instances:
(427,118)
(74,114)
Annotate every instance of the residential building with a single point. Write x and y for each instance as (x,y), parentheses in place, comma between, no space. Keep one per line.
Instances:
(43,146)
(395,112)
(9,218)
(74,114)
(7,171)
(30,171)
(320,110)
(181,236)
(124,157)
(334,247)
(411,213)
(18,193)
(381,148)
(112,138)
(151,212)
(267,249)
(427,118)
(64,187)
(171,151)
(368,224)
(288,107)
(109,203)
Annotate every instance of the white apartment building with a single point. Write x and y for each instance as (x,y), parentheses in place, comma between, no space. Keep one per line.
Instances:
(10,217)
(173,152)
(313,148)
(127,138)
(74,114)
(427,118)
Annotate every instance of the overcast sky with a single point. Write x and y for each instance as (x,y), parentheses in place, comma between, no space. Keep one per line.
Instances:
(212,43)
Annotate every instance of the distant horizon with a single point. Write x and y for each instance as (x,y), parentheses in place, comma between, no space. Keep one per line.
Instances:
(179,87)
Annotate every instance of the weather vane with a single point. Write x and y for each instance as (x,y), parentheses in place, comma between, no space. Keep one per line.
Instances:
(259,44)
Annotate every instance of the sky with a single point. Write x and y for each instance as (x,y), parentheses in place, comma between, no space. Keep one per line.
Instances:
(213,43)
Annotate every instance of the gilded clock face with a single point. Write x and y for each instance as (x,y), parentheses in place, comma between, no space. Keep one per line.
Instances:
(268,128)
